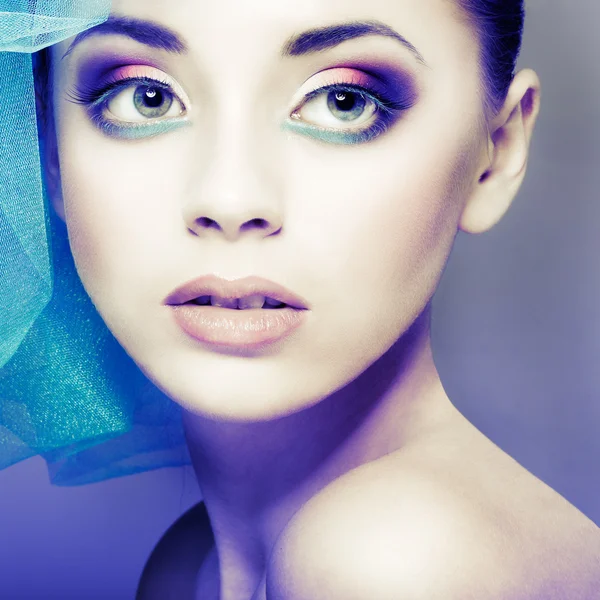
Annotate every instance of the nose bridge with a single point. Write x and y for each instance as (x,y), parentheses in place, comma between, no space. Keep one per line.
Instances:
(236,188)
(236,149)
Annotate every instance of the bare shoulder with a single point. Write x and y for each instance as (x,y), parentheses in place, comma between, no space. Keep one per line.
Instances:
(444,521)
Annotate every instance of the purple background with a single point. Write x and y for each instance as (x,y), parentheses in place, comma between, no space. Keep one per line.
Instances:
(516,339)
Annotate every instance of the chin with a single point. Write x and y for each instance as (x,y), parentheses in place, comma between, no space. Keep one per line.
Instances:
(226,388)
(253,384)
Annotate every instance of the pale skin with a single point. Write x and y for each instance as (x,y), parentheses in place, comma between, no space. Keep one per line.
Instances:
(334,466)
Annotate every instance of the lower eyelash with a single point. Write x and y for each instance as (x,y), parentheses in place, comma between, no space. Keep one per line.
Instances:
(372,132)
(389,111)
(143,130)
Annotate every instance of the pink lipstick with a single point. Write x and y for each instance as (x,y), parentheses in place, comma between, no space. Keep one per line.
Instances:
(244,314)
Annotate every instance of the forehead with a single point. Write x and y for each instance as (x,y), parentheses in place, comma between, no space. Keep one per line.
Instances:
(249,30)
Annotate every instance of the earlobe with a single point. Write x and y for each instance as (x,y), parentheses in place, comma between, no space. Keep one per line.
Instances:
(504,160)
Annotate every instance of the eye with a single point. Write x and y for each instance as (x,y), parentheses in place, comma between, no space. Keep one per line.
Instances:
(138,103)
(339,105)
(134,102)
(351,107)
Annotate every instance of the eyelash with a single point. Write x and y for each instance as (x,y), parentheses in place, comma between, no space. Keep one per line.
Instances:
(387,110)
(95,100)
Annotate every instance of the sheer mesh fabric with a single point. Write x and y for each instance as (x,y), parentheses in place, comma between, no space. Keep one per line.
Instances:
(68,391)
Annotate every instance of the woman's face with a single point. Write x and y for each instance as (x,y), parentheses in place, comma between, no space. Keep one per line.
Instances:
(358,219)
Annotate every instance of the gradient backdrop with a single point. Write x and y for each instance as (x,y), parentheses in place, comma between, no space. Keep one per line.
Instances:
(516,338)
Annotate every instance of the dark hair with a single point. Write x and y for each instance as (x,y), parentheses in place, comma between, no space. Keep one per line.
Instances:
(499,24)
(42,74)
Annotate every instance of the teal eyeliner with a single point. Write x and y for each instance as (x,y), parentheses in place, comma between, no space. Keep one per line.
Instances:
(96,101)
(140,131)
(335,136)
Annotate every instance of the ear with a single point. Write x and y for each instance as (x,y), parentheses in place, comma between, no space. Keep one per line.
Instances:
(504,159)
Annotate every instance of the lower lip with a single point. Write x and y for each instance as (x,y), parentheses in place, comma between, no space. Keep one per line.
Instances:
(243,329)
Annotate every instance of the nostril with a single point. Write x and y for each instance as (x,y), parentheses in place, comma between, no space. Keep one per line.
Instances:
(260,223)
(206,222)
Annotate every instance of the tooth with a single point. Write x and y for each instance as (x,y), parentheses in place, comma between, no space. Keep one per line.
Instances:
(271,302)
(224,302)
(254,301)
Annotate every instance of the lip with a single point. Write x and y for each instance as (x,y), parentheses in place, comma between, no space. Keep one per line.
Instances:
(211,285)
(231,329)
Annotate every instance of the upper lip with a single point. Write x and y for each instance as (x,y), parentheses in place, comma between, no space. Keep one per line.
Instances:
(211,285)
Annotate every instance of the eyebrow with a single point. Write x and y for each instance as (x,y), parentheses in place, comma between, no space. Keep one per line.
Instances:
(324,38)
(308,42)
(142,31)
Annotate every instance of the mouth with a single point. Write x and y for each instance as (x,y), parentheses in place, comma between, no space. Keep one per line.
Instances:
(255,301)
(246,314)
(240,294)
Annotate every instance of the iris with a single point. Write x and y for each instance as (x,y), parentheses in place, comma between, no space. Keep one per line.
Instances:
(346,106)
(152,102)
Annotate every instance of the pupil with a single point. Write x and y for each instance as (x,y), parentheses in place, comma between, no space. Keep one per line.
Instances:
(346,106)
(153,98)
(345,101)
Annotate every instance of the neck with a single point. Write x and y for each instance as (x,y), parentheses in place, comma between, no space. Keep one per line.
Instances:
(255,475)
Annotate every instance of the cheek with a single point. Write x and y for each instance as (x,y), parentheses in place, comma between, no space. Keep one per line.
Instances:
(381,221)
(372,223)
(119,210)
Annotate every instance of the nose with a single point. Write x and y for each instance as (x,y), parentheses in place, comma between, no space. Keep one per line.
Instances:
(235,195)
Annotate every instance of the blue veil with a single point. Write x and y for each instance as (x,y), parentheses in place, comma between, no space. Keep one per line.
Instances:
(68,391)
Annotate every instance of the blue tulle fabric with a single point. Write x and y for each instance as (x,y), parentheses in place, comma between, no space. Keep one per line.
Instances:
(68,391)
